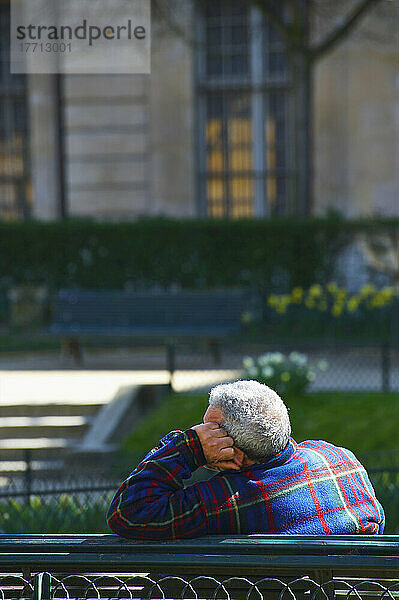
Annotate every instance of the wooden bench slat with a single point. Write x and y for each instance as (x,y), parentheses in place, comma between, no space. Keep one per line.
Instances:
(212,315)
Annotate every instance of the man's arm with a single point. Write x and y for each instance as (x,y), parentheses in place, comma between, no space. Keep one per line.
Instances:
(153,504)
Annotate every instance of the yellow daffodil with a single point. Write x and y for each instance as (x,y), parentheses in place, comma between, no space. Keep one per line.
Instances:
(272,300)
(281,308)
(310,303)
(317,297)
(332,287)
(297,295)
(315,290)
(388,294)
(352,304)
(336,310)
(368,289)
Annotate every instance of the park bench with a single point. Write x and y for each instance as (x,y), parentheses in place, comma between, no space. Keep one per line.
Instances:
(163,316)
(269,567)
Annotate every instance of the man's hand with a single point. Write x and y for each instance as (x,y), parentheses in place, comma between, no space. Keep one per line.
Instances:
(217,446)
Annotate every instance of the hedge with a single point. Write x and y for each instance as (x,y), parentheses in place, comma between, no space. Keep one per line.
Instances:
(274,254)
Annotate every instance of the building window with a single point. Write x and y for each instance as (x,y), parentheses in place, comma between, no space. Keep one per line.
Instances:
(245,167)
(15,188)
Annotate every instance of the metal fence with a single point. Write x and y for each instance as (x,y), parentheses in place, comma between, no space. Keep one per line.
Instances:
(350,367)
(72,503)
(45,586)
(197,366)
(78,503)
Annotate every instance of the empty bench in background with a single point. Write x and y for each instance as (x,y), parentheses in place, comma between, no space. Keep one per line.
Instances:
(166,316)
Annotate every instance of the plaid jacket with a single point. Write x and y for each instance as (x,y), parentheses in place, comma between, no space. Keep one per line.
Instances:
(308,488)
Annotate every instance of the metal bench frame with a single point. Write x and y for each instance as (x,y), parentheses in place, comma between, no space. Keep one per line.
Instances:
(255,566)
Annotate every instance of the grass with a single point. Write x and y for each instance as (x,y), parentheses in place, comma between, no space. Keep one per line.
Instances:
(364,422)
(178,411)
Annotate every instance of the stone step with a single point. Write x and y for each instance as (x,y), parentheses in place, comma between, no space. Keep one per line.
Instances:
(13,467)
(62,387)
(41,448)
(71,420)
(49,409)
(45,426)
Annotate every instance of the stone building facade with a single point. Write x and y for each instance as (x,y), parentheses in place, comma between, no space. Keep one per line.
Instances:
(208,133)
(356,121)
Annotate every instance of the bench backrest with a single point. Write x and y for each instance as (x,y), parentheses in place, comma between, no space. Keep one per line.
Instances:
(242,567)
(181,312)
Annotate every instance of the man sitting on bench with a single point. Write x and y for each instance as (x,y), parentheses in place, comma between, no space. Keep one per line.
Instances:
(266,481)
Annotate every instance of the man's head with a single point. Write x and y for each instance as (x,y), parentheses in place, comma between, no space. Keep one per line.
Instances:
(253,415)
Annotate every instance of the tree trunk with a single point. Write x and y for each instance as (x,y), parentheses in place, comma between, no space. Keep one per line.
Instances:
(302,110)
(302,96)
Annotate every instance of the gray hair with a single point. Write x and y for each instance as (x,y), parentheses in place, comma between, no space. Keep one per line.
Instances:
(254,416)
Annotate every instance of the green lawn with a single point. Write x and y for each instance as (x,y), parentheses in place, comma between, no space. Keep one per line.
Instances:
(178,411)
(364,422)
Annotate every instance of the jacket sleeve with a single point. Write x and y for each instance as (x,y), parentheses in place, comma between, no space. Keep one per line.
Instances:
(152,502)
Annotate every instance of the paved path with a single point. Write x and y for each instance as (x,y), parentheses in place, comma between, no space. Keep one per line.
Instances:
(95,387)
(47,374)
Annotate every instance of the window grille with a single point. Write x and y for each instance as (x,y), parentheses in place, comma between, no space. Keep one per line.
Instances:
(244,156)
(15,187)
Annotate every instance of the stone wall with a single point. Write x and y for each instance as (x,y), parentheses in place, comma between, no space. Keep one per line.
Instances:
(42,98)
(357,124)
(106,135)
(130,140)
(173,116)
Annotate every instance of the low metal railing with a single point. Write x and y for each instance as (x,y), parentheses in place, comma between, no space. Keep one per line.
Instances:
(255,567)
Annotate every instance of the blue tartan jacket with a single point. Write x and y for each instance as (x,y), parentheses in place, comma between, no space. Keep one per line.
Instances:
(309,488)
